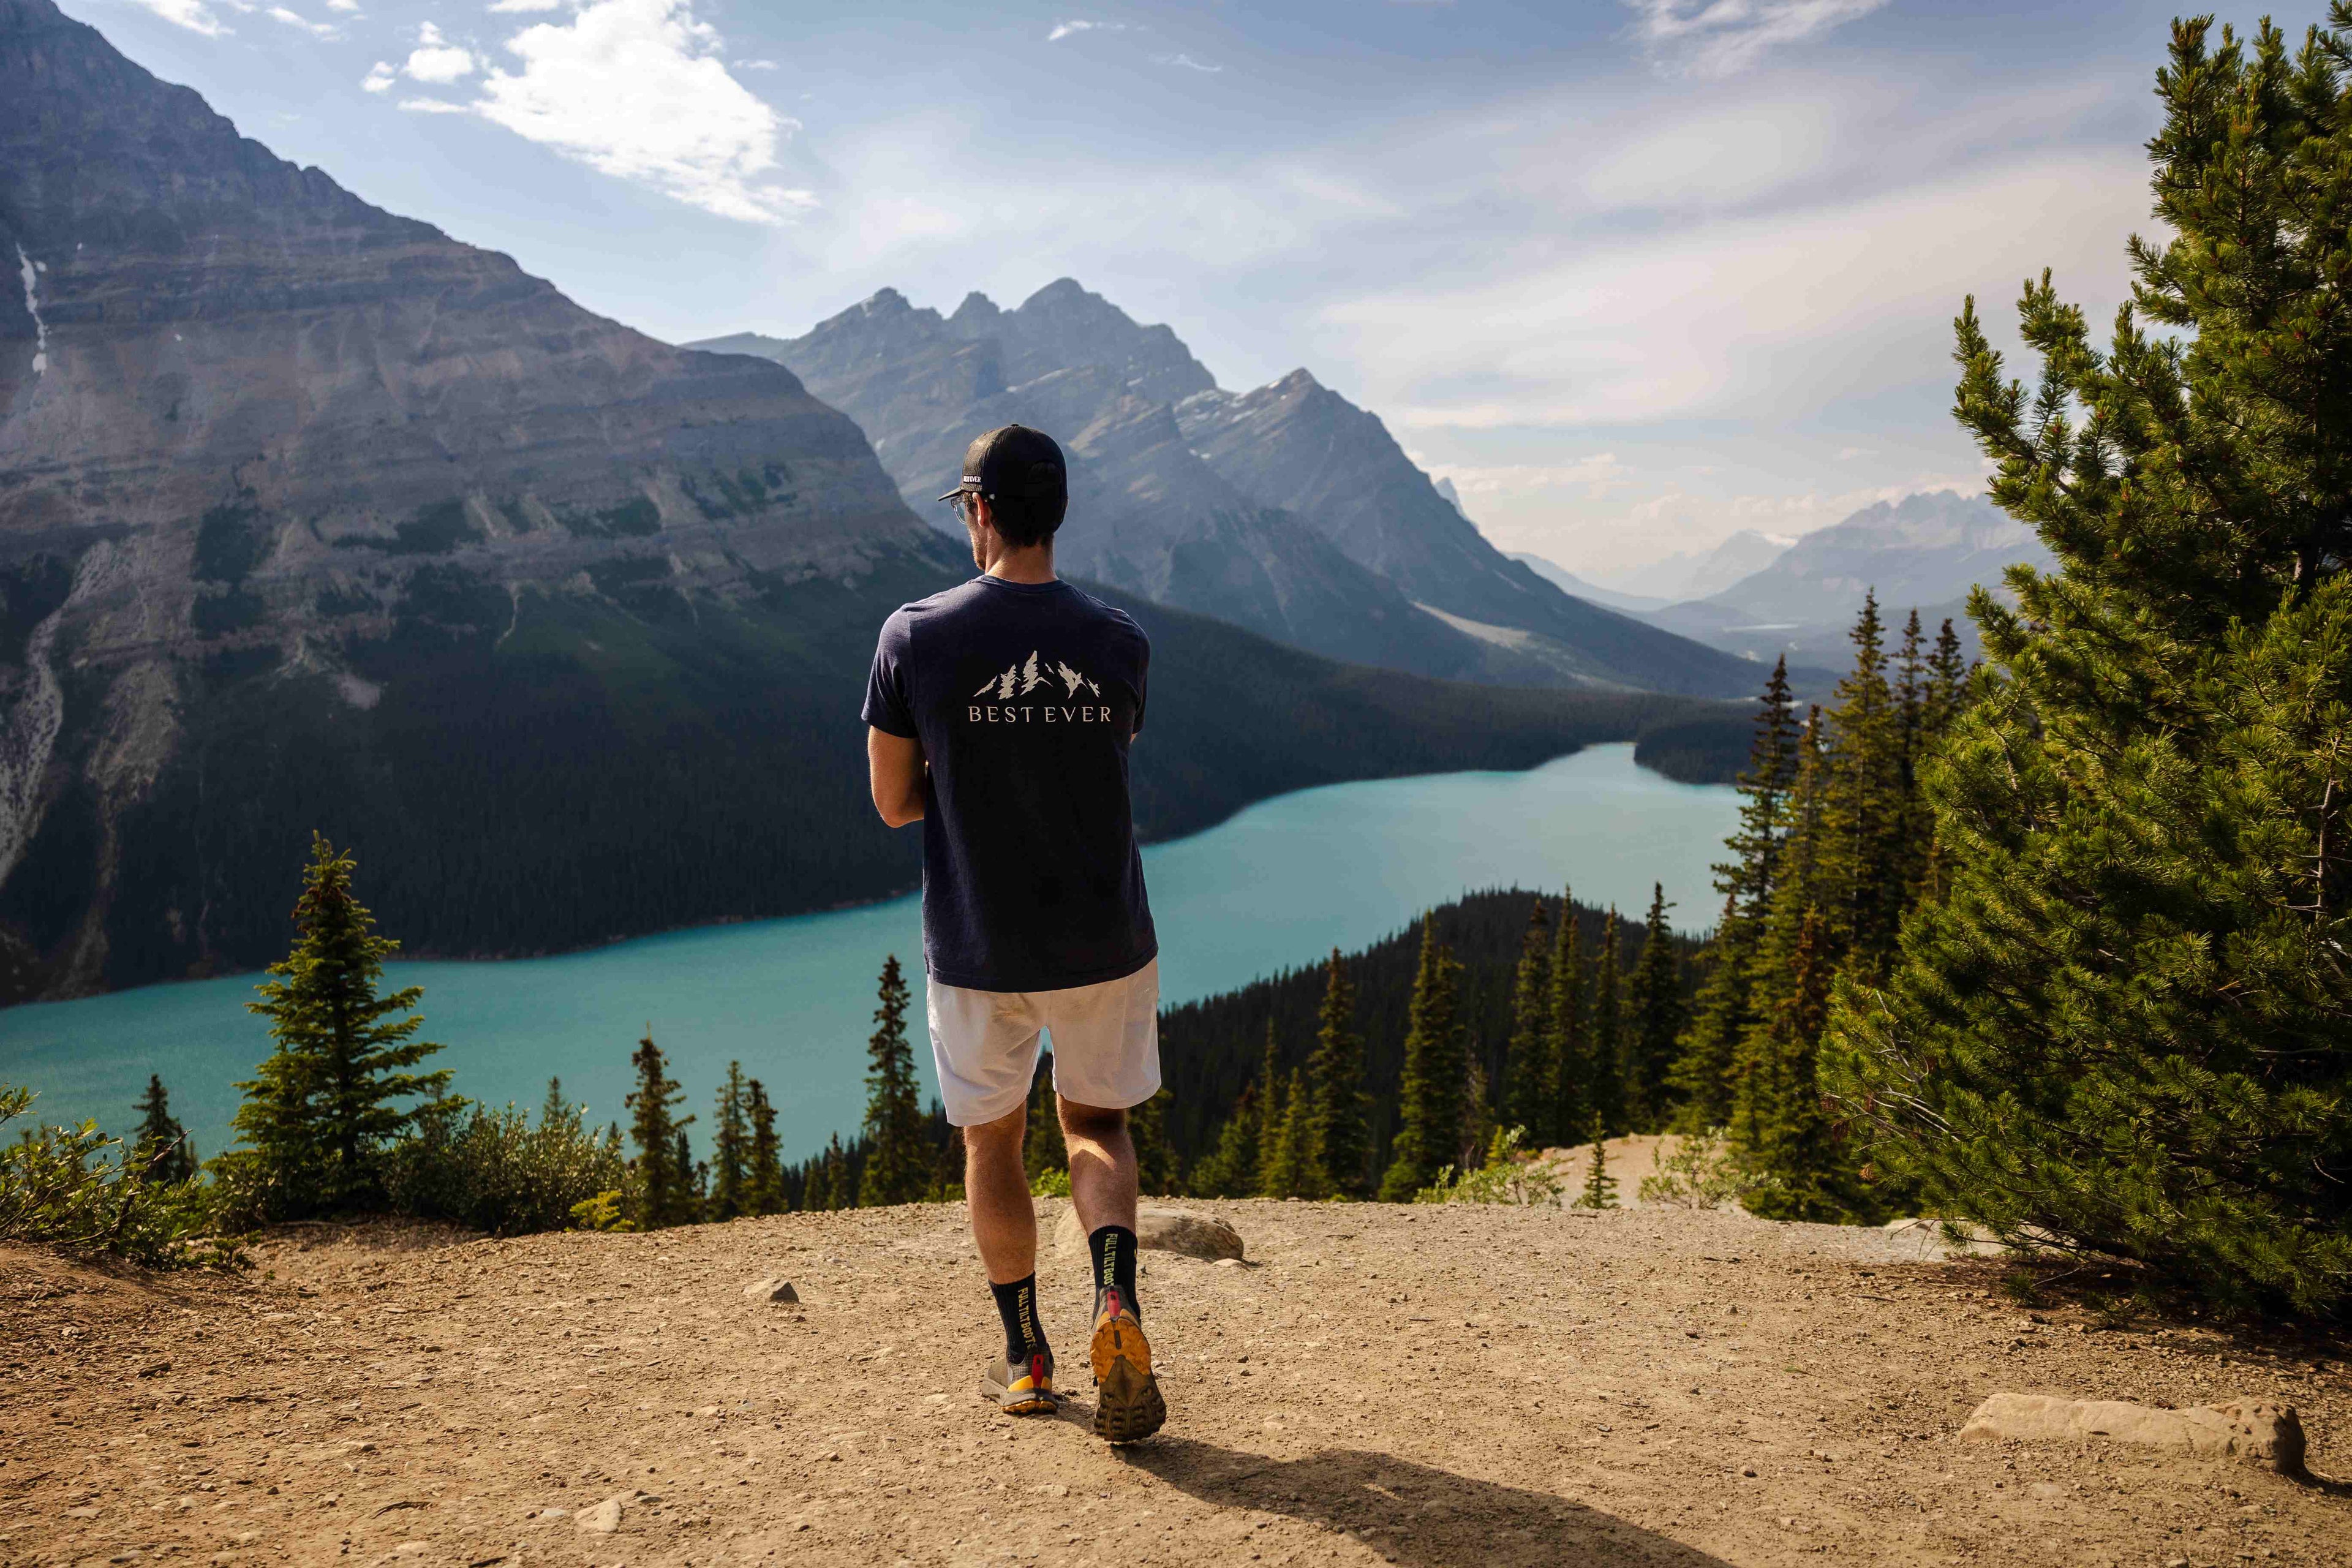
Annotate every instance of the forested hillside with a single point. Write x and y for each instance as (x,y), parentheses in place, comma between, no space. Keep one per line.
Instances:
(539,771)
(1213,1051)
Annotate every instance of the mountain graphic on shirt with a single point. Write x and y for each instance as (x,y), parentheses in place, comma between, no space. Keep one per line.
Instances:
(1021,679)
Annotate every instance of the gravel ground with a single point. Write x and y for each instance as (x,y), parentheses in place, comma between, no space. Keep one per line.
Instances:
(1454,1387)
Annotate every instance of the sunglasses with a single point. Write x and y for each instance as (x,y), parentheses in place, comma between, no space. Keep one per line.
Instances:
(961,504)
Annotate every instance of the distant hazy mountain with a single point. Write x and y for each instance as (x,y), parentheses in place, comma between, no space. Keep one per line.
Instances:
(1287,510)
(1699,575)
(312,516)
(1568,582)
(1924,551)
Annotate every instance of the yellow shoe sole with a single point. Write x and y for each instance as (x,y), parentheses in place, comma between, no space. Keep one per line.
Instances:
(1128,1405)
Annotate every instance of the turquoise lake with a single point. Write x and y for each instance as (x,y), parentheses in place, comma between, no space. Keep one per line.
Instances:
(1273,888)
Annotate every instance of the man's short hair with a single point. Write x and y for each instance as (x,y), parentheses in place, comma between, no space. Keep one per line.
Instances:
(1021,475)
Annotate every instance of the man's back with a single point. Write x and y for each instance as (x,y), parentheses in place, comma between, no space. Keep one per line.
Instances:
(1023,697)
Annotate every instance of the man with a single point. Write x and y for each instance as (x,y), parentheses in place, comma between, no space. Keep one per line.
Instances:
(998,715)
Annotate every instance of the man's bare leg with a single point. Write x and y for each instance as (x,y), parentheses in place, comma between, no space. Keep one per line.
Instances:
(1005,1227)
(1102,1165)
(1127,1405)
(1003,1219)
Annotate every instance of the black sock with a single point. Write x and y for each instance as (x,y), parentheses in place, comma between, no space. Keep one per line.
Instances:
(1114,1249)
(1016,1303)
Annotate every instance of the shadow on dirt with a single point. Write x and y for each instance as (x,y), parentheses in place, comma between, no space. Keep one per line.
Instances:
(1418,1516)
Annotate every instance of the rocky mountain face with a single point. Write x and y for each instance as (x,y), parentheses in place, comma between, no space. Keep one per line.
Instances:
(254,434)
(1146,513)
(311,517)
(1287,510)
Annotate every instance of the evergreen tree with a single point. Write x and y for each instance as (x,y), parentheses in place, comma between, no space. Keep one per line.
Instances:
(730,1150)
(1604,1089)
(2124,1022)
(834,1183)
(1533,1072)
(1044,1149)
(1861,880)
(663,1193)
(1570,1047)
(1156,1169)
(319,1111)
(697,1182)
(1285,1161)
(160,1150)
(1706,1061)
(1276,1165)
(898,1160)
(763,1182)
(1779,1133)
(1477,1133)
(1429,1096)
(1599,1186)
(1947,673)
(1231,1169)
(1654,998)
(1343,1133)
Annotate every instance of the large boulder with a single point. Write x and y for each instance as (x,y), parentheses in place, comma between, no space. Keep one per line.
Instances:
(1163,1230)
(2257,1429)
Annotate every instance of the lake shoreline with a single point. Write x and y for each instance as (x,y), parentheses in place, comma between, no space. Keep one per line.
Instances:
(1276,887)
(408,955)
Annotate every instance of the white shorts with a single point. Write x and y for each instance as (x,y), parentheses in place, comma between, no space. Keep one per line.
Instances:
(1106,1044)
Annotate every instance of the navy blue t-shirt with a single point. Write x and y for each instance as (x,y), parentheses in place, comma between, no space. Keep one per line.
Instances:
(1025,696)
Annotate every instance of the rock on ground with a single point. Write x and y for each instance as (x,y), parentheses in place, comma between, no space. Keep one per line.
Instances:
(2237,1428)
(1160,1230)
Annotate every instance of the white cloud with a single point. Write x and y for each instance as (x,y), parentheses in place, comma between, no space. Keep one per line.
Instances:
(511,6)
(297,20)
(431,106)
(1599,475)
(758,66)
(1189,63)
(635,88)
(1735,151)
(380,77)
(1740,316)
(348,7)
(438,61)
(1723,37)
(1080,24)
(194,15)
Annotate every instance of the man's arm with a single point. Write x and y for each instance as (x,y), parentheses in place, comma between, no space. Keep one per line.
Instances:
(894,769)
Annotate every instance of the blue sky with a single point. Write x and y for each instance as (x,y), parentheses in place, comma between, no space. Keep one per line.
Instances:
(1633,273)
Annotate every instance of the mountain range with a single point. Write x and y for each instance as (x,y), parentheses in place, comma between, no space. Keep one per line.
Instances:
(311,517)
(1799,598)
(1923,553)
(1287,510)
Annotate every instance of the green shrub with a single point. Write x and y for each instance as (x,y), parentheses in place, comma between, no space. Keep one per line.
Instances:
(493,1170)
(605,1211)
(68,1187)
(1703,1172)
(1508,1176)
(1055,1184)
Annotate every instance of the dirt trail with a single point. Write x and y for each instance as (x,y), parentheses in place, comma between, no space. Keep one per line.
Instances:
(1442,1387)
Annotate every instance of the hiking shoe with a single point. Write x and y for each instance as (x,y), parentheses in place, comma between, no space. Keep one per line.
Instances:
(1128,1406)
(1021,1388)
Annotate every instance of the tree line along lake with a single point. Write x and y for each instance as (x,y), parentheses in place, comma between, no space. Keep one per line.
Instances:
(1275,887)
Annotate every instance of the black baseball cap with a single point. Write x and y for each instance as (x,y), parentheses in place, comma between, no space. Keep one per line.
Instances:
(1013,461)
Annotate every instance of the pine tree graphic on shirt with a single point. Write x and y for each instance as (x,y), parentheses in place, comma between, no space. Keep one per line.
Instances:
(1030,674)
